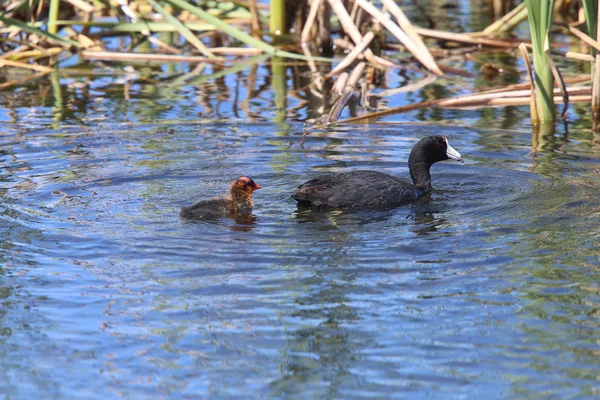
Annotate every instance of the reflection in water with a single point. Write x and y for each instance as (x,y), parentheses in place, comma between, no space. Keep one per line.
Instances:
(320,354)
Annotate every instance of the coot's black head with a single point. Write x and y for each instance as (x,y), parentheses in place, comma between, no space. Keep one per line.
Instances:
(432,149)
(427,151)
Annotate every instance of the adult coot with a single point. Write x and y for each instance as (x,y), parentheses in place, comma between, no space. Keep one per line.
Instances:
(357,189)
(238,202)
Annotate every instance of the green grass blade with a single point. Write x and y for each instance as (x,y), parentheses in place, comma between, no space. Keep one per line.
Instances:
(185,32)
(35,31)
(238,34)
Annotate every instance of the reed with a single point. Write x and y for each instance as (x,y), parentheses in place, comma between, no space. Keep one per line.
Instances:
(540,19)
(277,17)
(53,16)
(592,12)
(590,8)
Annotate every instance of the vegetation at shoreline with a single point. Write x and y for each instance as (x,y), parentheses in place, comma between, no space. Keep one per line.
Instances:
(346,44)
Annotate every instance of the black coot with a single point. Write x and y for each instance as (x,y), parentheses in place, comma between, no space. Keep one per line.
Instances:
(358,189)
(237,203)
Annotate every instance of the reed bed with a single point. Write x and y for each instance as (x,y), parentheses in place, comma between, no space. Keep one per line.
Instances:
(376,35)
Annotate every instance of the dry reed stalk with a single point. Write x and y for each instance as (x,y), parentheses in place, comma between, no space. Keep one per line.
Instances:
(521,101)
(575,55)
(424,58)
(406,25)
(355,75)
(483,98)
(349,59)
(34,67)
(118,56)
(344,44)
(340,83)
(497,102)
(236,51)
(585,38)
(352,30)
(35,54)
(496,97)
(532,101)
(354,12)
(527,85)
(310,20)
(464,38)
(82,5)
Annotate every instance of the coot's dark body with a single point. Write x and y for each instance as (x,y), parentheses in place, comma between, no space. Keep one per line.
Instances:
(364,189)
(356,189)
(238,203)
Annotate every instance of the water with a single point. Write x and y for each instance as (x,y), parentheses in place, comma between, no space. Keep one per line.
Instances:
(487,288)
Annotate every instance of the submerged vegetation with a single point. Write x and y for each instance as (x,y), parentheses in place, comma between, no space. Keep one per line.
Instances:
(350,41)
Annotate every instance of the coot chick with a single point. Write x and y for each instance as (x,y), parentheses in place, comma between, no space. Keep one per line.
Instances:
(237,203)
(358,189)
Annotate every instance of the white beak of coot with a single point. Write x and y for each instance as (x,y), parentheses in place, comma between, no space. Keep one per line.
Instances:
(452,154)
